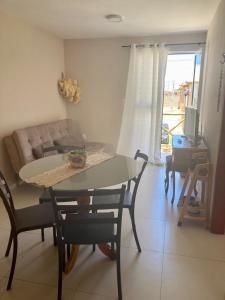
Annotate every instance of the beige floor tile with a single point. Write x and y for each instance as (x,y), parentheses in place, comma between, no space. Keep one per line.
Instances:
(88,296)
(4,237)
(34,258)
(93,273)
(23,290)
(150,234)
(94,276)
(192,239)
(141,275)
(2,285)
(151,200)
(190,278)
(4,219)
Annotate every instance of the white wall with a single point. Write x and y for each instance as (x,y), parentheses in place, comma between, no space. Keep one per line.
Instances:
(215,47)
(211,118)
(31,62)
(101,66)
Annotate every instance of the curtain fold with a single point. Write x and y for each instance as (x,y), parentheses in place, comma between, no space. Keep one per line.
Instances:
(142,115)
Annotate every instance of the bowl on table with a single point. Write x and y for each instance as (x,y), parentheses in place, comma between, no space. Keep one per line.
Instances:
(76,158)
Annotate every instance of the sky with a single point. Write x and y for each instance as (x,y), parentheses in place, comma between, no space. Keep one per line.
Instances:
(180,68)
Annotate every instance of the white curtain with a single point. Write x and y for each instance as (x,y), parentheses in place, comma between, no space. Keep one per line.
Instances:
(142,115)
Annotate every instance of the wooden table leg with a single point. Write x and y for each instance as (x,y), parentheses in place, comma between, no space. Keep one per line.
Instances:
(75,248)
(105,248)
(181,198)
(72,260)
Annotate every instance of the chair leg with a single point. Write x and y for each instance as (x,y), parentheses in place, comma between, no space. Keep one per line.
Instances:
(113,248)
(94,211)
(42,229)
(167,180)
(203,192)
(131,211)
(195,190)
(42,234)
(173,178)
(15,246)
(54,235)
(63,259)
(187,199)
(9,245)
(60,261)
(119,285)
(68,251)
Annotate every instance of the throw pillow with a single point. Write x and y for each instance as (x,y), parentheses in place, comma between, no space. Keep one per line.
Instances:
(42,150)
(68,143)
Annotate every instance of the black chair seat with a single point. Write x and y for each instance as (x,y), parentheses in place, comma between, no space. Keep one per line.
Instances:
(35,216)
(88,233)
(113,199)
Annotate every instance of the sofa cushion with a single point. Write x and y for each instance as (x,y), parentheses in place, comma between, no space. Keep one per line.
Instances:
(68,140)
(42,150)
(94,146)
(21,143)
(28,138)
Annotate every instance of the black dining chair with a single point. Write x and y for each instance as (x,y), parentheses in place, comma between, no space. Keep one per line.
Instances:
(130,196)
(23,219)
(78,224)
(45,195)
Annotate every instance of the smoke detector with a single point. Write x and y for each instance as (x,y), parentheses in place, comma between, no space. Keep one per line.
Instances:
(114,18)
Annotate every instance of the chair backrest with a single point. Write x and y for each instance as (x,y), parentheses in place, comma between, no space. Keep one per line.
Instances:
(7,199)
(85,211)
(137,179)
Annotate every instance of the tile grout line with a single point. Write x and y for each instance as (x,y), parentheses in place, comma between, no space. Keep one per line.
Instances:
(195,257)
(98,294)
(163,254)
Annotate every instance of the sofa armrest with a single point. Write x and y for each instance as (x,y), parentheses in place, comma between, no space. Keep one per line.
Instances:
(13,153)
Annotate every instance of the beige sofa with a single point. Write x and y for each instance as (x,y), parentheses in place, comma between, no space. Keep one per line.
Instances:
(22,142)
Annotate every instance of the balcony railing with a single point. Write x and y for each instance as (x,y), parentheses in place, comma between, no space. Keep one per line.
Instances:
(172,124)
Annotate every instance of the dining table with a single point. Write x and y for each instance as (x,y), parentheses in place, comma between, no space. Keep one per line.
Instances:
(102,170)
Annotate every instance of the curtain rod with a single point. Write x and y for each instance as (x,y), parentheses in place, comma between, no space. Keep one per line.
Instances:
(167,45)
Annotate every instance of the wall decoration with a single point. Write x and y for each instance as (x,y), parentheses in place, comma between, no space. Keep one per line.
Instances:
(221,89)
(69,89)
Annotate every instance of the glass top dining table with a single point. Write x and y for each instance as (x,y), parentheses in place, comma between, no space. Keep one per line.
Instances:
(111,172)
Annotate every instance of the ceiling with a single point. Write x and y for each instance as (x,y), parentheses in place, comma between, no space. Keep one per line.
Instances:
(85,18)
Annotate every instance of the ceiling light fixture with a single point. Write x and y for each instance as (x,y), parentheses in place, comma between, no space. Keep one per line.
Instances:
(114,18)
